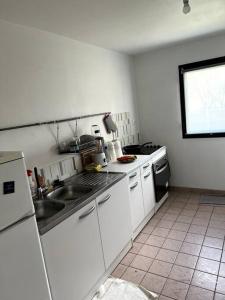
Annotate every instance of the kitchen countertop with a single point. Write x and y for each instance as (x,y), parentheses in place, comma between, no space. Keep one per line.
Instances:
(73,206)
(129,167)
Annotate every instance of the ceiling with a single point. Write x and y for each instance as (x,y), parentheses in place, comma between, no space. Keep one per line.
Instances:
(130,26)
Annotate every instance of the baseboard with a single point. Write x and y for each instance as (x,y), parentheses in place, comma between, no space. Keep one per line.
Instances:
(195,190)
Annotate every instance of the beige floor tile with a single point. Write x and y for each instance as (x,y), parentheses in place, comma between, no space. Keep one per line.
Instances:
(175,290)
(204,280)
(148,229)
(213,242)
(119,271)
(167,255)
(174,211)
(184,219)
(217,217)
(153,222)
(149,251)
(165,224)
(136,247)
(219,297)
(128,259)
(181,274)
(160,268)
(133,275)
(206,208)
(196,293)
(197,229)
(141,238)
(200,221)
(207,265)
(177,235)
(222,270)
(153,282)
(186,260)
(169,217)
(217,224)
(211,253)
(223,257)
(219,210)
(155,240)
(141,262)
(215,232)
(220,287)
(163,232)
(203,215)
(189,248)
(172,245)
(181,226)
(194,238)
(188,212)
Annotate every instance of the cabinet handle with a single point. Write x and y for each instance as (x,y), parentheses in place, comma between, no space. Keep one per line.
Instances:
(146,166)
(86,213)
(133,175)
(146,176)
(134,186)
(104,200)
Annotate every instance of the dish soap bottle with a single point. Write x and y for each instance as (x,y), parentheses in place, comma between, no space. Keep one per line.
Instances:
(31,182)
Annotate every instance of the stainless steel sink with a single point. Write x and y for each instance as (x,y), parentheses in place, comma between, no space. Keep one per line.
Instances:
(69,192)
(45,209)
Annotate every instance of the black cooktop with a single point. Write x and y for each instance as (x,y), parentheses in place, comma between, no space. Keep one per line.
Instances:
(145,149)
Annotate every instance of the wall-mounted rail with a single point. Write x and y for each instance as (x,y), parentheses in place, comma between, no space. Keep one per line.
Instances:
(53,121)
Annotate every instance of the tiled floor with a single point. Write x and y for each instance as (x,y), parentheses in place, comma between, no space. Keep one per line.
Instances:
(180,253)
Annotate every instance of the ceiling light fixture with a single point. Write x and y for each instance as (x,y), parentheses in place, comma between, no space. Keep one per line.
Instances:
(187,7)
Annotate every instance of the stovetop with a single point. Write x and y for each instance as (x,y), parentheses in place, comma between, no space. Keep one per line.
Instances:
(145,149)
(149,149)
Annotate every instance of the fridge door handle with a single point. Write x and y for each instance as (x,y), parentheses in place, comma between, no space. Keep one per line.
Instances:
(20,220)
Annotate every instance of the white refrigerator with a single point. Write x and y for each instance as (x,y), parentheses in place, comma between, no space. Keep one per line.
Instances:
(22,270)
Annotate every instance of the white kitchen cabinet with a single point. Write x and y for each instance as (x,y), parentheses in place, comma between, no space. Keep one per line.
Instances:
(148,191)
(114,220)
(73,255)
(136,203)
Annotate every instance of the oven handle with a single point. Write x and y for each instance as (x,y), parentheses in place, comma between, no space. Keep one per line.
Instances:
(162,169)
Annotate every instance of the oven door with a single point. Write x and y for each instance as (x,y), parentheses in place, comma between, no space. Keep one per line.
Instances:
(161,171)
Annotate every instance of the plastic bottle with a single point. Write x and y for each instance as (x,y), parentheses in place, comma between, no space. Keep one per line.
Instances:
(118,148)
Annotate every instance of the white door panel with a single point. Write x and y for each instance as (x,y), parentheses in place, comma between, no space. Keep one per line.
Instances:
(22,271)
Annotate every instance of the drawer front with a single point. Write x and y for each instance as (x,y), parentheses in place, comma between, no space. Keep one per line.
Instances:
(134,176)
(147,167)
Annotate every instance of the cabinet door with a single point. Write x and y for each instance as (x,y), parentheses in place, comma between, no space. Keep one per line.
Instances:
(114,220)
(22,271)
(148,191)
(73,255)
(136,203)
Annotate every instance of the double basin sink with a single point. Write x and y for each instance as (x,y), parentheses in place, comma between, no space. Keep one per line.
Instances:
(57,200)
(76,192)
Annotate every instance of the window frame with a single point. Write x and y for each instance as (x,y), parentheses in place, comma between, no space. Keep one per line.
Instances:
(204,64)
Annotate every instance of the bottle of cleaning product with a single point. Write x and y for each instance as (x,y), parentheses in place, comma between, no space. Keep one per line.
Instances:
(31,182)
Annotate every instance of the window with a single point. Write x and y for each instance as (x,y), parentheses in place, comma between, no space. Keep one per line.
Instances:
(202,93)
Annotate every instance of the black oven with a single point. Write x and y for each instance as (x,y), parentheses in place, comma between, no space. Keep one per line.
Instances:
(161,174)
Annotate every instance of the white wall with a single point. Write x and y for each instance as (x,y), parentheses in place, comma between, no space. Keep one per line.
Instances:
(195,162)
(44,76)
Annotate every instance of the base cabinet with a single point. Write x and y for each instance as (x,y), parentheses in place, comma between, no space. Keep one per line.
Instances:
(136,203)
(114,220)
(148,192)
(73,255)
